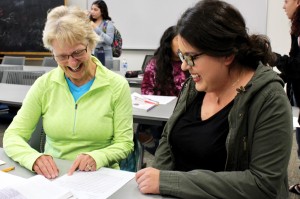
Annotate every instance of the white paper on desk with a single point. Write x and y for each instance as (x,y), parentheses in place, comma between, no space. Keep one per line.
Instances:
(7,179)
(98,184)
(8,193)
(138,101)
(38,187)
(160,99)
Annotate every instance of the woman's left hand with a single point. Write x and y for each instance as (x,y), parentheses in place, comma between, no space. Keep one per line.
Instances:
(148,180)
(83,162)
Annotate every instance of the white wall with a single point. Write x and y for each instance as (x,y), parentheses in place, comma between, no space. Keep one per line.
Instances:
(278,27)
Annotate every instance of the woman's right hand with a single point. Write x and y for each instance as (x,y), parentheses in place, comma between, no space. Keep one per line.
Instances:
(46,166)
(148,180)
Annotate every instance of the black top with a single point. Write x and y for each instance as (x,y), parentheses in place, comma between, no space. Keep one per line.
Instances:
(198,144)
(289,67)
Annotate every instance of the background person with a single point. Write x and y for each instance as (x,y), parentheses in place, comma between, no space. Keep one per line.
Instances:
(230,135)
(103,26)
(289,66)
(162,76)
(86,108)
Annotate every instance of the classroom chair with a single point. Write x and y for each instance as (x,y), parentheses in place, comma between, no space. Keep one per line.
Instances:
(20,77)
(13,60)
(134,160)
(9,67)
(145,62)
(3,107)
(49,61)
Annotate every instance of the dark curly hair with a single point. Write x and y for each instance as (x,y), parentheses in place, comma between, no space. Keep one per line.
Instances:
(104,10)
(163,55)
(218,29)
(295,28)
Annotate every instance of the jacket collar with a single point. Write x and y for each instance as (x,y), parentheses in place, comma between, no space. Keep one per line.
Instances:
(102,77)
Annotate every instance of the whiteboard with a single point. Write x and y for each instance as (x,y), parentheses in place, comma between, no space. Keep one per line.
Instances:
(142,22)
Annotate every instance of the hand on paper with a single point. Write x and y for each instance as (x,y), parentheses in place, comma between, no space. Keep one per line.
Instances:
(83,162)
(46,166)
(148,180)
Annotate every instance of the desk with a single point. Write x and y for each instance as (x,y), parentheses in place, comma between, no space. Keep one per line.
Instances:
(38,68)
(128,191)
(34,68)
(13,94)
(133,82)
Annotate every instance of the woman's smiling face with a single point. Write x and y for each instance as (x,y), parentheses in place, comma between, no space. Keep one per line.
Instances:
(75,61)
(209,73)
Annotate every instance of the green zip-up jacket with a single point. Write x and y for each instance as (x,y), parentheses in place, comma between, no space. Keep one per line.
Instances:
(258,146)
(98,124)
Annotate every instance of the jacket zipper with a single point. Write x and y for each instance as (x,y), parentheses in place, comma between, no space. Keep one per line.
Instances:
(74,125)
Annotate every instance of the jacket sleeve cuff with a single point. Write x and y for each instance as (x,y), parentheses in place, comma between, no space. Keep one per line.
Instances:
(30,161)
(169,183)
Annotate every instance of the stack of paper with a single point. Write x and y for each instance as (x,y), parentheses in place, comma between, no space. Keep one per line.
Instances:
(35,187)
(80,185)
(142,102)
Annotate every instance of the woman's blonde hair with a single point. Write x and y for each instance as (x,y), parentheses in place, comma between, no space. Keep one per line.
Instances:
(69,26)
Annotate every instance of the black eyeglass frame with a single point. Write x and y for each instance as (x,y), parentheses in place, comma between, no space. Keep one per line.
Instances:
(76,55)
(189,59)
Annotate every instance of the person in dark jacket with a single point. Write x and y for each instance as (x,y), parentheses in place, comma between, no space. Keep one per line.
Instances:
(230,134)
(289,66)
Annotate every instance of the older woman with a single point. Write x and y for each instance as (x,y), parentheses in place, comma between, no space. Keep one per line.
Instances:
(86,109)
(230,133)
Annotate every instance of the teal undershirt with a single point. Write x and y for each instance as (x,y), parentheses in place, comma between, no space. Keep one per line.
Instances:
(76,91)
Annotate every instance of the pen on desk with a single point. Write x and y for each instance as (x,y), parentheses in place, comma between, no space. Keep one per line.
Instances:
(149,109)
(151,100)
(8,169)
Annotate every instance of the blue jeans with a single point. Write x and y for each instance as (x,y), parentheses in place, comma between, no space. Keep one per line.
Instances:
(100,55)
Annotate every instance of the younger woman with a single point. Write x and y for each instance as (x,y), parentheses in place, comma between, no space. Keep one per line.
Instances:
(103,26)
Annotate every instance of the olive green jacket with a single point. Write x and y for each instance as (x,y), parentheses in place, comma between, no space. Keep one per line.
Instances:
(258,145)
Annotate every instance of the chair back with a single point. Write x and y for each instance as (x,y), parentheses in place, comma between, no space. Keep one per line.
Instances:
(13,60)
(145,62)
(134,160)
(38,137)
(49,61)
(9,67)
(20,77)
